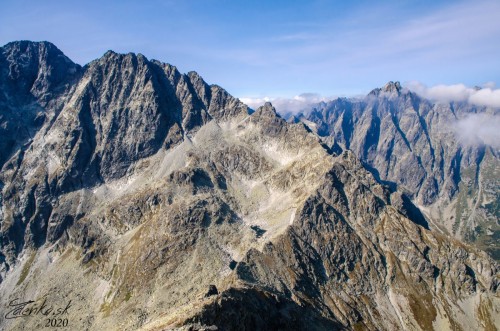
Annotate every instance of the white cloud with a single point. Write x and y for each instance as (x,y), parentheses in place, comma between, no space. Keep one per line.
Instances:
(255,103)
(293,105)
(478,129)
(490,85)
(487,96)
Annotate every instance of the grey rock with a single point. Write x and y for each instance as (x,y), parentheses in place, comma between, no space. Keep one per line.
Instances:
(145,187)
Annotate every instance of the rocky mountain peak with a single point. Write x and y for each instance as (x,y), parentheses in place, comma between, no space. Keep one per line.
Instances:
(193,75)
(109,53)
(266,110)
(389,89)
(36,67)
(112,59)
(392,87)
(33,77)
(26,48)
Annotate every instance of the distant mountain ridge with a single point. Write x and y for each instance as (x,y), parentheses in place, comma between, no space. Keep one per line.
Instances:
(413,143)
(151,200)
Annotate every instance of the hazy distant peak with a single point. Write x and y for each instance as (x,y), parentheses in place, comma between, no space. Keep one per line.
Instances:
(391,88)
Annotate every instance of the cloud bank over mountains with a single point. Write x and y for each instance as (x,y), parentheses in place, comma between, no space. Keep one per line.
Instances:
(478,129)
(487,96)
(474,130)
(295,105)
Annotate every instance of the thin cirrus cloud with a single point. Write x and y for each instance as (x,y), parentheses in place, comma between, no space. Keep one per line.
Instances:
(454,43)
(282,48)
(354,54)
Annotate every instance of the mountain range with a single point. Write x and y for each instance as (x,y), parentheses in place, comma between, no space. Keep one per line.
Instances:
(140,198)
(415,145)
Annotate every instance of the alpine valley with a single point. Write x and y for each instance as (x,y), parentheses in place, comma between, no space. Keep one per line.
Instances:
(135,197)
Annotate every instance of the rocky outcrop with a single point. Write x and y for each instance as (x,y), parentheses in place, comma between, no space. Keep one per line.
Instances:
(151,200)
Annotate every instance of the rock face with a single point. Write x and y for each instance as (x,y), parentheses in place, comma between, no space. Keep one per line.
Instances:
(33,77)
(146,199)
(412,143)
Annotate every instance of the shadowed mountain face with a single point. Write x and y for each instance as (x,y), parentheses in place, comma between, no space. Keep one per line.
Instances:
(414,144)
(33,76)
(154,201)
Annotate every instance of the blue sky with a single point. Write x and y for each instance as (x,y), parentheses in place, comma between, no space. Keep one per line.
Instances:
(259,49)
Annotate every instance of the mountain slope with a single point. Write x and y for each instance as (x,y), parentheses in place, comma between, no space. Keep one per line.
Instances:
(413,143)
(154,201)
